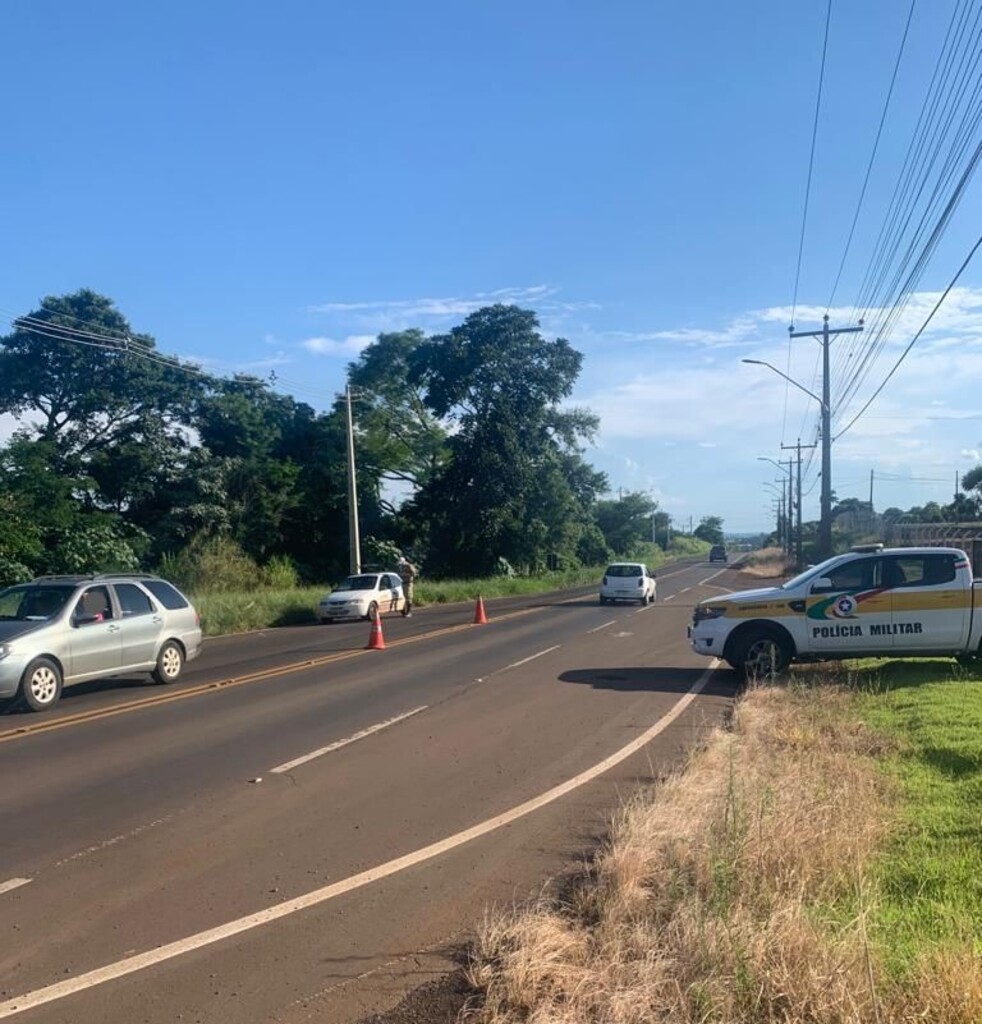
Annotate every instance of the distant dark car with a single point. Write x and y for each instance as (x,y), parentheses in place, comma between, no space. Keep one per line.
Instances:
(718,553)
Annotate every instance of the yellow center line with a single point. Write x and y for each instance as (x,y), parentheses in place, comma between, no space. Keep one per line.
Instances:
(97,715)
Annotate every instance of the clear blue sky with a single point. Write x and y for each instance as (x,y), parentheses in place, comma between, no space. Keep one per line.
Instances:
(267,185)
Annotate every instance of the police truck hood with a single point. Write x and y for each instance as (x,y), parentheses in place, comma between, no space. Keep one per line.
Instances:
(762,594)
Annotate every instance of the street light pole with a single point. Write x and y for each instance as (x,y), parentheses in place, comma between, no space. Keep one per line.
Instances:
(825,523)
(787,488)
(354,542)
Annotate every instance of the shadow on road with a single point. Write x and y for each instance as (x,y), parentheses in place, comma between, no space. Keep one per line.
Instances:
(661,680)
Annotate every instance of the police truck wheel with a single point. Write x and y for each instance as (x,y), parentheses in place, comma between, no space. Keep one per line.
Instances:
(762,653)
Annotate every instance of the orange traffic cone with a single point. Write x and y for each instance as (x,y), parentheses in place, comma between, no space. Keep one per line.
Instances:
(376,641)
(480,619)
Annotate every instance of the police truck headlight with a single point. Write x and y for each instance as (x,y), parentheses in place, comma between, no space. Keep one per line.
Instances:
(703,613)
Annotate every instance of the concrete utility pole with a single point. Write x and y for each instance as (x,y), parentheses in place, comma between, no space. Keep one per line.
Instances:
(354,542)
(797,537)
(826,335)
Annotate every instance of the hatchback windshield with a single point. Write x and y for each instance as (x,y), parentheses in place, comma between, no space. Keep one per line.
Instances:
(33,604)
(358,583)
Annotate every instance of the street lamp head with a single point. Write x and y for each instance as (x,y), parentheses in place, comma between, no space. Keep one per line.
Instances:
(756,362)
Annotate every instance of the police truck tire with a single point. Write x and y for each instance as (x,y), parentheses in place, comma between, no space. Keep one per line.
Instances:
(761,653)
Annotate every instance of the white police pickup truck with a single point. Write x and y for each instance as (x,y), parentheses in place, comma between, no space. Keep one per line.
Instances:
(871,602)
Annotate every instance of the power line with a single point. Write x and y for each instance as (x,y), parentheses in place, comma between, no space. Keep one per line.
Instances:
(133,346)
(910,345)
(872,156)
(811,160)
(804,212)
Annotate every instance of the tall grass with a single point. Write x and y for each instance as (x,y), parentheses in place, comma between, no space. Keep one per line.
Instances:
(740,892)
(232,609)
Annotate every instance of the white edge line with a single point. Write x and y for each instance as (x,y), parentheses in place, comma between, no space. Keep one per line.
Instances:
(708,578)
(596,629)
(531,657)
(338,744)
(14,883)
(131,964)
(671,597)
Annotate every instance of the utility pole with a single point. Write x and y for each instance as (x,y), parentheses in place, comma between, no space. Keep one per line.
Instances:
(871,501)
(826,335)
(797,537)
(354,542)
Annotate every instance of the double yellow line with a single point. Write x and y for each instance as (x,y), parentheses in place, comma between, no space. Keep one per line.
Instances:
(96,715)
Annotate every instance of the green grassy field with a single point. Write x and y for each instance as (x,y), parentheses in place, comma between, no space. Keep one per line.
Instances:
(929,876)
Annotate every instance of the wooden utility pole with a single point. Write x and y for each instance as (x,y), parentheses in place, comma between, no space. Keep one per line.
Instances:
(825,335)
(797,535)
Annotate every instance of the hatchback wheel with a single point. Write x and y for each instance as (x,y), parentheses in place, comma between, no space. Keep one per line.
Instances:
(372,611)
(170,662)
(40,686)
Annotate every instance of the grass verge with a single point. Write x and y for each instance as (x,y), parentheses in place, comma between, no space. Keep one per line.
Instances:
(237,611)
(775,879)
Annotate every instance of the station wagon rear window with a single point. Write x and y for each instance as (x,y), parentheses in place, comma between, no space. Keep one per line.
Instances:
(165,594)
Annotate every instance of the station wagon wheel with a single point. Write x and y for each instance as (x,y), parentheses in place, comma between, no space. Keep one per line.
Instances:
(40,686)
(170,662)
(372,611)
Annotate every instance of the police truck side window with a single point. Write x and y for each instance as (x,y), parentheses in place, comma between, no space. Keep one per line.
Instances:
(861,575)
(923,570)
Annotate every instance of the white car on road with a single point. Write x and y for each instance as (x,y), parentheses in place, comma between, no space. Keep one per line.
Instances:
(362,597)
(628,581)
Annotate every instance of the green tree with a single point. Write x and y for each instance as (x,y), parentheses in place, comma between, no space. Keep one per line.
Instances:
(626,521)
(710,529)
(509,485)
(88,385)
(400,442)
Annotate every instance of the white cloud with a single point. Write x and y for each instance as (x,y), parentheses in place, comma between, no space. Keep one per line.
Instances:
(428,308)
(434,312)
(351,345)
(972,454)
(736,332)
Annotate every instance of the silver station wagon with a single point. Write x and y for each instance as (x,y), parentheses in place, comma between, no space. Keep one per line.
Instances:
(59,630)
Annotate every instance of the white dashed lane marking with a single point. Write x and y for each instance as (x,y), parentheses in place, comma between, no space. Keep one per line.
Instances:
(141,961)
(288,766)
(13,883)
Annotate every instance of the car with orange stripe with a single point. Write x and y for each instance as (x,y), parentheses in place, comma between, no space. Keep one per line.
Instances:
(871,602)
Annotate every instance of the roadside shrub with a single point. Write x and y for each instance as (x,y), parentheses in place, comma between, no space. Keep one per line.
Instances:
(280,573)
(212,564)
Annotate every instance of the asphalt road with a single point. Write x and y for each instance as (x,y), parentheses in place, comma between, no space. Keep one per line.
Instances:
(301,829)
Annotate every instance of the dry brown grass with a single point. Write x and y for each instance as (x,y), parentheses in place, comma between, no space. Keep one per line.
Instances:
(734,894)
(767,563)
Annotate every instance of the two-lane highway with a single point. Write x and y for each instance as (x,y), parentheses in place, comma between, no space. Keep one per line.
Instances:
(249,851)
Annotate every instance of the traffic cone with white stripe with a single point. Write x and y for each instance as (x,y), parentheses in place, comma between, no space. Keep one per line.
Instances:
(376,641)
(480,618)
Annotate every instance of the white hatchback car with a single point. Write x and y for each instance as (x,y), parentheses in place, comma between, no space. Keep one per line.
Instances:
(362,596)
(628,581)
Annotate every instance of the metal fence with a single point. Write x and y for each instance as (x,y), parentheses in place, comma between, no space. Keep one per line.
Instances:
(967,536)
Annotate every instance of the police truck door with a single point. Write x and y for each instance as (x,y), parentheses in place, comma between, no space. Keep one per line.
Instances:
(850,611)
(931,603)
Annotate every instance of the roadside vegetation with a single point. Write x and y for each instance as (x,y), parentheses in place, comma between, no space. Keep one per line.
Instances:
(767,563)
(818,861)
(128,459)
(233,594)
